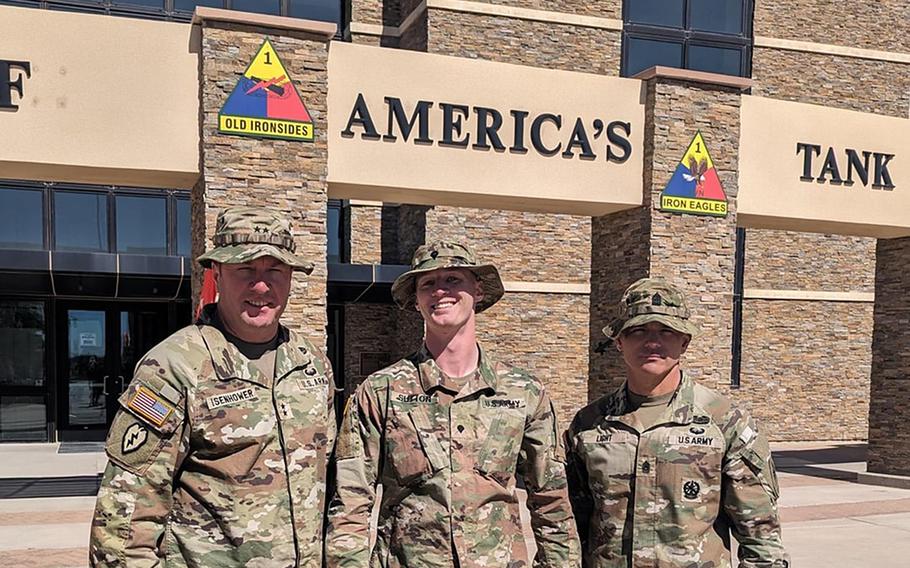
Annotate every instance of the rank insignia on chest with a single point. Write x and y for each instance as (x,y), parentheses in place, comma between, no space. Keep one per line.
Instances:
(691,489)
(150,405)
(231,398)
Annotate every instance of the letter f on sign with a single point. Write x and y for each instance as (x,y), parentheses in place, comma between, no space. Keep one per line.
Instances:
(8,84)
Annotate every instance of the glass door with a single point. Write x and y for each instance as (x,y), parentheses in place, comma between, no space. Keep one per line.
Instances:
(100,348)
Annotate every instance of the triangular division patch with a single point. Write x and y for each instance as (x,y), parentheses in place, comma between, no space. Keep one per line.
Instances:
(265,103)
(695,187)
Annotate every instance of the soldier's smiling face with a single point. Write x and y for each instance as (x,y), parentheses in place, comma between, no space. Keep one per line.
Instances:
(652,349)
(446,297)
(252,296)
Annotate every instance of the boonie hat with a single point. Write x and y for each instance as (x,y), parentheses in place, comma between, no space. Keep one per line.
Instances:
(243,234)
(652,300)
(447,254)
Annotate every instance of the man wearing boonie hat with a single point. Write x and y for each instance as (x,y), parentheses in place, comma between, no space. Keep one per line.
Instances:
(445,432)
(662,470)
(217,456)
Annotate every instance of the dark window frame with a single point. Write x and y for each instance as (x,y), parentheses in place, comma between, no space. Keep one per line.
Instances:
(168,11)
(49,190)
(742,41)
(45,235)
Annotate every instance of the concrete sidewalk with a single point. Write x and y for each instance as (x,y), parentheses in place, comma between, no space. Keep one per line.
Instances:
(829,519)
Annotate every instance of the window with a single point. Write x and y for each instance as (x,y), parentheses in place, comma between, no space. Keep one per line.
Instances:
(21,218)
(23,373)
(335,231)
(141,225)
(702,35)
(334,11)
(92,218)
(81,221)
(182,230)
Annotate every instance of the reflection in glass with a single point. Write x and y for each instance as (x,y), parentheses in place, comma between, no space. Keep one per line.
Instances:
(721,16)
(141,225)
(189,5)
(715,59)
(670,13)
(23,419)
(184,242)
(147,3)
(86,367)
(333,232)
(645,53)
(21,219)
(257,6)
(323,10)
(22,343)
(80,221)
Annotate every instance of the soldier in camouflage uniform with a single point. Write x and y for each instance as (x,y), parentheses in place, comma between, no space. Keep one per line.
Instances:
(217,456)
(662,470)
(444,432)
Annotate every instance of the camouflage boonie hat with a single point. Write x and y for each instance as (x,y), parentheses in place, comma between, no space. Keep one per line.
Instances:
(447,254)
(243,234)
(652,300)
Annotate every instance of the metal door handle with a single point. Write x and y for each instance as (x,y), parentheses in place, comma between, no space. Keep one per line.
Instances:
(122,385)
(104,382)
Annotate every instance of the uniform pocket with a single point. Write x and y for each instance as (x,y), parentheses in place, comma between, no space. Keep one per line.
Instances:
(499,453)
(410,445)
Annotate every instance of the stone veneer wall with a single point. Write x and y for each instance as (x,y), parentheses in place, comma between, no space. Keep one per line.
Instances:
(889,415)
(783,361)
(524,42)
(284,176)
(693,252)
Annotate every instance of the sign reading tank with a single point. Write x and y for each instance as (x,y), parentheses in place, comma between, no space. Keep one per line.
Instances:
(482,128)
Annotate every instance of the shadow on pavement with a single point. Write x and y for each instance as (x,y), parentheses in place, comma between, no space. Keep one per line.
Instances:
(841,462)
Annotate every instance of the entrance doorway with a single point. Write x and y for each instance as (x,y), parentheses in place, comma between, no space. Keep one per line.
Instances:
(99,346)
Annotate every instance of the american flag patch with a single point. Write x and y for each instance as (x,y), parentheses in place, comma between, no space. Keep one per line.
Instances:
(150,406)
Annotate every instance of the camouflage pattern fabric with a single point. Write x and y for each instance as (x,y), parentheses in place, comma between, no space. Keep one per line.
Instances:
(652,300)
(243,234)
(448,472)
(669,497)
(446,254)
(212,463)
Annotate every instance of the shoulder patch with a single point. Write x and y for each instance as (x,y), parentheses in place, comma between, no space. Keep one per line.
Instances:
(133,438)
(150,405)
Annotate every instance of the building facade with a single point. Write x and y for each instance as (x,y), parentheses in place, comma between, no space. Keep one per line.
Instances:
(97,242)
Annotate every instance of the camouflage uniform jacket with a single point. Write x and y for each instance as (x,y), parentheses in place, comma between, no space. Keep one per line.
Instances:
(447,467)
(668,497)
(211,463)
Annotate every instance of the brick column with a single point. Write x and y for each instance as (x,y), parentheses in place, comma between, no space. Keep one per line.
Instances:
(694,252)
(889,400)
(285,176)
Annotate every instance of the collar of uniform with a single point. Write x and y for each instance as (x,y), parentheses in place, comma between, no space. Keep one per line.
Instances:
(293,353)
(679,409)
(230,363)
(431,375)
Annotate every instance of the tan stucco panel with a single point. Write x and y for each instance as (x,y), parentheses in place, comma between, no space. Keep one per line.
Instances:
(772,195)
(110,100)
(407,172)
